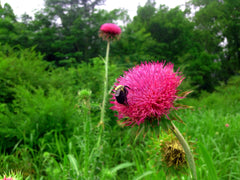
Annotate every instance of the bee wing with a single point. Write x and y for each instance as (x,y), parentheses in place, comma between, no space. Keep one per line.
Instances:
(117,93)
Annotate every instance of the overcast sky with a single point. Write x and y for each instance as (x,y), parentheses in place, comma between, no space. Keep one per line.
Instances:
(31,6)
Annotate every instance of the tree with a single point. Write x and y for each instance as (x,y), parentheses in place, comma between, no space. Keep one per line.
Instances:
(231,27)
(7,25)
(172,30)
(156,34)
(66,31)
(218,22)
(13,32)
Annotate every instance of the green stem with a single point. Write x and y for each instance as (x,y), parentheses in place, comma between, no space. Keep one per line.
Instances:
(105,86)
(101,123)
(186,148)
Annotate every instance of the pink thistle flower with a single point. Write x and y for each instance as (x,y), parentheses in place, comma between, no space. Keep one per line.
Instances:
(151,93)
(109,31)
(227,125)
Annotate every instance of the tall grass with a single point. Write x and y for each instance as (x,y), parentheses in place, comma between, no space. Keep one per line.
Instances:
(51,133)
(217,147)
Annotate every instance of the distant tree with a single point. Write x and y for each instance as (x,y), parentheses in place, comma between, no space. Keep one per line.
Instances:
(7,12)
(230,25)
(156,34)
(136,43)
(8,30)
(66,31)
(145,13)
(13,32)
(218,23)
(173,31)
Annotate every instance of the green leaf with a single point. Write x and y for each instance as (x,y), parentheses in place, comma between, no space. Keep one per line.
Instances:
(73,163)
(144,175)
(212,171)
(121,166)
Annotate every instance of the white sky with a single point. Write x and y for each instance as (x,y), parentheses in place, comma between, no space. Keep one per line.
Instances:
(31,6)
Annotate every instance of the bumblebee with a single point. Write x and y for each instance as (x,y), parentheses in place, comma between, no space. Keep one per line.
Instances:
(121,94)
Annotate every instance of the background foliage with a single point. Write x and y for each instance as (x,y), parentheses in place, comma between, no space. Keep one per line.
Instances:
(51,76)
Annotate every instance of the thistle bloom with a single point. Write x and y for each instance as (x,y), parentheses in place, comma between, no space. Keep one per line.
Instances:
(109,31)
(151,94)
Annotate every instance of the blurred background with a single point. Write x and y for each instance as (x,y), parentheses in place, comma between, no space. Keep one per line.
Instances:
(50,50)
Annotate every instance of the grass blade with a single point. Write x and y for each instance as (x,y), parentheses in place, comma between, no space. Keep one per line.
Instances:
(147,173)
(121,166)
(211,169)
(73,163)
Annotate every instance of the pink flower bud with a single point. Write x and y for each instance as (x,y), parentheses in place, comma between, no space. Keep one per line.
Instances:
(109,31)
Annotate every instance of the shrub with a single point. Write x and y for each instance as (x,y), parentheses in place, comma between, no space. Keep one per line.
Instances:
(33,114)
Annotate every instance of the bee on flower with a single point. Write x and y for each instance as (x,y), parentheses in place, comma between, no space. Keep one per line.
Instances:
(152,90)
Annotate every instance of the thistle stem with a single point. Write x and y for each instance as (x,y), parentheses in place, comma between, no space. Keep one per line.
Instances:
(186,148)
(105,86)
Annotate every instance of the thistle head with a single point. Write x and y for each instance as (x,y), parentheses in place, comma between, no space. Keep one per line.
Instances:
(109,32)
(168,151)
(152,90)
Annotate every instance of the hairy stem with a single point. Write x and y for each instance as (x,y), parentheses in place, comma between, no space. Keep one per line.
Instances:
(105,86)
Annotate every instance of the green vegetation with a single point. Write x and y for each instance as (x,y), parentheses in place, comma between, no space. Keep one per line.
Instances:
(204,44)
(51,77)
(49,129)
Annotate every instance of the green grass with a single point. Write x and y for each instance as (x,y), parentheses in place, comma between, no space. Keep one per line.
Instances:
(120,156)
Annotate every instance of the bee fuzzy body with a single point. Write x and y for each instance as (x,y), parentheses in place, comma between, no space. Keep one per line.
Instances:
(121,94)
